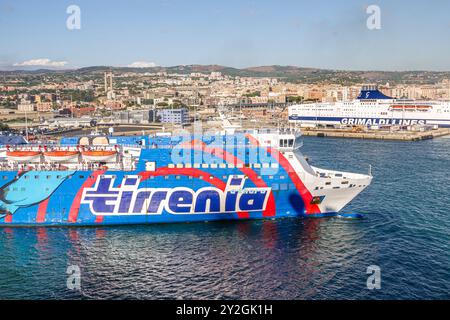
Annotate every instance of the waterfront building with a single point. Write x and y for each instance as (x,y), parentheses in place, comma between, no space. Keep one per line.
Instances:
(44,106)
(174,116)
(25,106)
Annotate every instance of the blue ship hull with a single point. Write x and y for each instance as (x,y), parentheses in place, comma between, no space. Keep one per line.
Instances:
(166,195)
(66,205)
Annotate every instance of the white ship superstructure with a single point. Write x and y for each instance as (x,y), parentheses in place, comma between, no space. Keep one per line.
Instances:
(372,108)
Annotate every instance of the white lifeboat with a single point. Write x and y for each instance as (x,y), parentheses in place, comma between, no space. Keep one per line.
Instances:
(23,155)
(99,155)
(61,155)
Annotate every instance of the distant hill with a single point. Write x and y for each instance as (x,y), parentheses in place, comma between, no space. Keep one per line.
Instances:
(280,69)
(287,73)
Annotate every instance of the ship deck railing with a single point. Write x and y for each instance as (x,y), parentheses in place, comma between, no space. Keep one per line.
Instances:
(45,167)
(123,146)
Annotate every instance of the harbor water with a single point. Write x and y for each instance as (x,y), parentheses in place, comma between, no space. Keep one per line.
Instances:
(405,232)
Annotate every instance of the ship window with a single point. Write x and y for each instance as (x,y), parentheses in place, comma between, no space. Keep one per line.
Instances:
(274,165)
(257,165)
(344,182)
(205,165)
(200,177)
(171,165)
(239,165)
(282,177)
(327,183)
(188,165)
(275,186)
(231,166)
(48,177)
(5,177)
(283,186)
(270,177)
(58,177)
(179,165)
(36,177)
(197,165)
(211,177)
(166,177)
(177,177)
(213,165)
(222,165)
(81,177)
(292,186)
(26,177)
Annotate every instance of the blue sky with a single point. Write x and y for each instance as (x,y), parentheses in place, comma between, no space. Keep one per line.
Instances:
(414,35)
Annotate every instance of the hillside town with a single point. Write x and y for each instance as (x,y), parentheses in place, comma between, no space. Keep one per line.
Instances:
(56,100)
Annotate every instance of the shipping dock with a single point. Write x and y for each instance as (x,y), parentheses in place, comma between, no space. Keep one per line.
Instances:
(377,134)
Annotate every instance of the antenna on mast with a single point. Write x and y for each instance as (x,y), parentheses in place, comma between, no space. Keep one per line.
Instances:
(26,124)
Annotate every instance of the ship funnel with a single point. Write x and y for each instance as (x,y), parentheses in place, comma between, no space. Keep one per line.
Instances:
(371,92)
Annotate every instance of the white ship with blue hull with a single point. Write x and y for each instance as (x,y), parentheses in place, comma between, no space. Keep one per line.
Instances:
(372,108)
(164,178)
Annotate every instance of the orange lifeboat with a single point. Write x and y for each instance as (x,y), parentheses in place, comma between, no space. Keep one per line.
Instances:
(98,155)
(23,155)
(60,155)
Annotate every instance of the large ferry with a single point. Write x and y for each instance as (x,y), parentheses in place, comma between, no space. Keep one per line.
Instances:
(162,178)
(372,108)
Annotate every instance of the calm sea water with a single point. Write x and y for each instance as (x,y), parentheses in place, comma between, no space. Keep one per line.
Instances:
(406,232)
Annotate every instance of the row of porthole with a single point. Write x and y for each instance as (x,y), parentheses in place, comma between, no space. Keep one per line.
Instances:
(212,177)
(151,177)
(50,176)
(274,187)
(21,189)
(47,177)
(338,187)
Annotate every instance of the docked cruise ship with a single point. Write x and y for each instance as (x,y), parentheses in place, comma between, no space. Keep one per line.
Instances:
(372,108)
